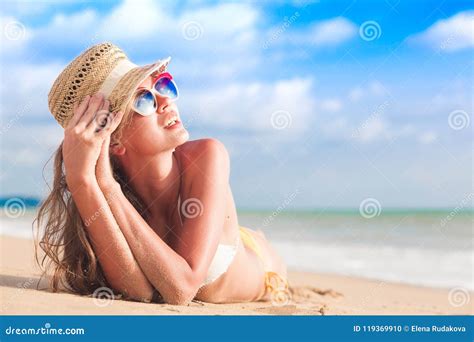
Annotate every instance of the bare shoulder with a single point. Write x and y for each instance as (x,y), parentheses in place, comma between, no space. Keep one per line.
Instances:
(203,153)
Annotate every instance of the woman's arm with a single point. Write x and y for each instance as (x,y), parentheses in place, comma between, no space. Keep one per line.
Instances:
(178,273)
(120,267)
(81,149)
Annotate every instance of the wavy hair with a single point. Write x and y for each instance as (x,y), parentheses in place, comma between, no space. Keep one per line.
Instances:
(67,255)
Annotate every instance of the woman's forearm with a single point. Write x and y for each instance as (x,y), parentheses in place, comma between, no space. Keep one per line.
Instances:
(167,271)
(118,263)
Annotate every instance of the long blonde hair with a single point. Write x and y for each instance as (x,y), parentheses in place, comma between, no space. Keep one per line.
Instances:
(67,255)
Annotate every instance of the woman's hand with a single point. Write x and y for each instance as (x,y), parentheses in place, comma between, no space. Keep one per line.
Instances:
(84,137)
(103,170)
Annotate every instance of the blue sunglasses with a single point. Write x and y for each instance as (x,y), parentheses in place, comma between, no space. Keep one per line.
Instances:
(145,102)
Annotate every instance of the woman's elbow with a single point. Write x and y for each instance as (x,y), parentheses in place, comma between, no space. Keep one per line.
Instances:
(184,292)
(140,293)
(140,296)
(180,297)
(136,294)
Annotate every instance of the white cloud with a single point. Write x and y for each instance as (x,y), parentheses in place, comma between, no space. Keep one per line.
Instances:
(332,32)
(427,138)
(226,29)
(135,20)
(224,19)
(335,129)
(249,106)
(27,99)
(451,34)
(65,31)
(331,105)
(376,88)
(372,89)
(355,94)
(151,26)
(373,129)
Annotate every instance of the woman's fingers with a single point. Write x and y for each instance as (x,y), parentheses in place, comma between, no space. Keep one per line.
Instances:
(94,106)
(103,117)
(102,121)
(79,109)
(106,104)
(115,119)
(84,104)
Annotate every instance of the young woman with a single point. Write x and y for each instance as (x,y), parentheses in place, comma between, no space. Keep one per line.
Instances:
(137,207)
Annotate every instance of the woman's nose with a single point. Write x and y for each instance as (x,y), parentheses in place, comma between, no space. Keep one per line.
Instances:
(162,102)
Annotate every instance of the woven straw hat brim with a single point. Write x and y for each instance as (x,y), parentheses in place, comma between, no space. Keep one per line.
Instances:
(103,67)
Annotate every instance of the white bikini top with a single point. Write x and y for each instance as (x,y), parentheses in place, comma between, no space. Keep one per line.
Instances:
(222,259)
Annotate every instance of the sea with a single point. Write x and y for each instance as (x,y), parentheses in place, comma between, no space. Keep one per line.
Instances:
(432,248)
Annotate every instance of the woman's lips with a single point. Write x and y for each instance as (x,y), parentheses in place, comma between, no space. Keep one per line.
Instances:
(175,125)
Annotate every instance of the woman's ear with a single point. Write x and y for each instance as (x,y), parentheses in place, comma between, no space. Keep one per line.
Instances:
(117,149)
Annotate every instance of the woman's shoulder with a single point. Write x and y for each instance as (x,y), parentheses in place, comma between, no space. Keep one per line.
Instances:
(206,148)
(203,154)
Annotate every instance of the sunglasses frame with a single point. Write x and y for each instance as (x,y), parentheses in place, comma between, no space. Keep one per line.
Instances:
(154,92)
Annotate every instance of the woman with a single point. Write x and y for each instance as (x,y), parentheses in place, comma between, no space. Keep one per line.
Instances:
(136,206)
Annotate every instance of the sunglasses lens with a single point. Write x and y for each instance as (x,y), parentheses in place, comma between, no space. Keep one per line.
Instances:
(145,103)
(166,87)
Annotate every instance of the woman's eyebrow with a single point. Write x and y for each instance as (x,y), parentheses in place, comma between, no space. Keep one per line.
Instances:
(145,87)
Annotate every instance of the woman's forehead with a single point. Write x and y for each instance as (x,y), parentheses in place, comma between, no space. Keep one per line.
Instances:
(147,82)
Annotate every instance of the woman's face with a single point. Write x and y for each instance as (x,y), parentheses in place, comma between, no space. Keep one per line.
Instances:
(147,135)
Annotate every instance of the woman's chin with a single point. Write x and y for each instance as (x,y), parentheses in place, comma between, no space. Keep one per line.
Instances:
(180,136)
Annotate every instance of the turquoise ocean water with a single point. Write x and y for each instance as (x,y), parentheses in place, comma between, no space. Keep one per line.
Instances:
(421,247)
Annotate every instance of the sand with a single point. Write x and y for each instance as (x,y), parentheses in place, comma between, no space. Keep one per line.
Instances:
(312,294)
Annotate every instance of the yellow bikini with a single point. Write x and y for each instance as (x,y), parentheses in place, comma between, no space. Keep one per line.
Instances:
(275,284)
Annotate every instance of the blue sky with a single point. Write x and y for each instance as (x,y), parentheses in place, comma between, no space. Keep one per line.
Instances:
(320,103)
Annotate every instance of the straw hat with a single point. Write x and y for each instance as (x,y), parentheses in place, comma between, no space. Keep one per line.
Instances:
(102,68)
